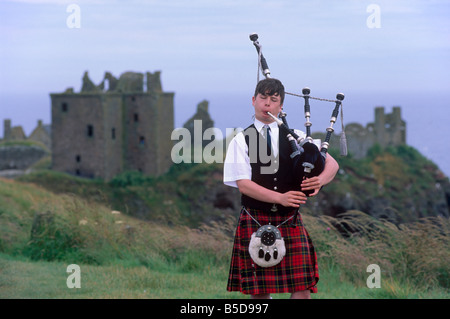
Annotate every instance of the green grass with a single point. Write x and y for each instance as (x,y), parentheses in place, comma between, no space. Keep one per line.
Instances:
(39,279)
(120,256)
(22,278)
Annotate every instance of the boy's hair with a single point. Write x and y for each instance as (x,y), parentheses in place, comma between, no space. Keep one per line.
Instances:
(270,86)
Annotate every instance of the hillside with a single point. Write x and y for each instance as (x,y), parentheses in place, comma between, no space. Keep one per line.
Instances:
(121,256)
(397,184)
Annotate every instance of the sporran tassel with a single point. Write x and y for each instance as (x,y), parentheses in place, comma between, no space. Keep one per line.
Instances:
(261,252)
(275,253)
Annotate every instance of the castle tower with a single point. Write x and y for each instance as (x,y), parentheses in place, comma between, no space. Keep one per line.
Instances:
(14,133)
(98,133)
(6,129)
(398,127)
(41,134)
(202,114)
(379,125)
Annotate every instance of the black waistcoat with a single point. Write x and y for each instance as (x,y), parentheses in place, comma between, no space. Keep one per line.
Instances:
(276,174)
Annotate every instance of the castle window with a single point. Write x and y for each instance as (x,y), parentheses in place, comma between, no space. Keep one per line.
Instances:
(77,172)
(133,98)
(142,140)
(90,130)
(78,158)
(64,107)
(113,133)
(136,117)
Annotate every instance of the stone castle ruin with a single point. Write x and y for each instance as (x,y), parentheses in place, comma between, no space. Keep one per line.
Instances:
(388,130)
(19,152)
(125,124)
(202,114)
(119,125)
(41,134)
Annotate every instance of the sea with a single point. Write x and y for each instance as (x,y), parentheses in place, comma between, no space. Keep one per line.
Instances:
(426,114)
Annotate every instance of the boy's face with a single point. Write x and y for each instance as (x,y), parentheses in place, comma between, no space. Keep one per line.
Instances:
(266,103)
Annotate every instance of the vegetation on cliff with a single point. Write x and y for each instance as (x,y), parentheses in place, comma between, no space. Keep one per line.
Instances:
(396,183)
(140,237)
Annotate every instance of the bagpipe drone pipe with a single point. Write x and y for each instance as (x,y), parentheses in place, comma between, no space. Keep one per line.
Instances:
(308,160)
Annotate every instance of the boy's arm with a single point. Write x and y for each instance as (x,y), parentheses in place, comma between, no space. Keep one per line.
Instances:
(288,199)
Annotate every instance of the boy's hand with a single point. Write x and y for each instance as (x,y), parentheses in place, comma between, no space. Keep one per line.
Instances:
(313,183)
(292,199)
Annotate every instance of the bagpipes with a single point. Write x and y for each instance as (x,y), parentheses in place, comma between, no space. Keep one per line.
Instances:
(308,161)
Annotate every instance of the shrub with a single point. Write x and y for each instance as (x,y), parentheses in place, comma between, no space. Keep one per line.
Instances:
(130,178)
(51,238)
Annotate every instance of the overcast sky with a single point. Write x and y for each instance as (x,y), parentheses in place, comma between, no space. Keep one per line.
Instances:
(203,45)
(203,50)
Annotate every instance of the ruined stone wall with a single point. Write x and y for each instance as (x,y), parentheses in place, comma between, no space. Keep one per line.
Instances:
(79,134)
(103,132)
(166,125)
(359,139)
(20,156)
(41,135)
(387,130)
(395,128)
(139,132)
(148,122)
(113,125)
(202,114)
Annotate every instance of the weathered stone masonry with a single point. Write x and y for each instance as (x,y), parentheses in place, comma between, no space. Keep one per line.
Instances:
(100,133)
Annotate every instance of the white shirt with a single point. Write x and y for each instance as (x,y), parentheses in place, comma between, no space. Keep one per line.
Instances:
(237,162)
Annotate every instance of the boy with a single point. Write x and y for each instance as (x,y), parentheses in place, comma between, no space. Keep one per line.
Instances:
(271,198)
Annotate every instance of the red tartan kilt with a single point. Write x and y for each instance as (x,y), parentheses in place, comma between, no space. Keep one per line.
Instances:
(297,271)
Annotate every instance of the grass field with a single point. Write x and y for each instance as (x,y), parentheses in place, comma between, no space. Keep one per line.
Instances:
(21,278)
(41,233)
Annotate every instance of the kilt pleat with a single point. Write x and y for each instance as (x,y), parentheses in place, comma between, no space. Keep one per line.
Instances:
(297,271)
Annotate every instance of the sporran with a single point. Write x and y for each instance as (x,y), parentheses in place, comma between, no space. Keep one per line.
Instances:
(267,247)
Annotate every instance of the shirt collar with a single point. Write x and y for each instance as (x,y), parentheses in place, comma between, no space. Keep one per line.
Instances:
(259,125)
